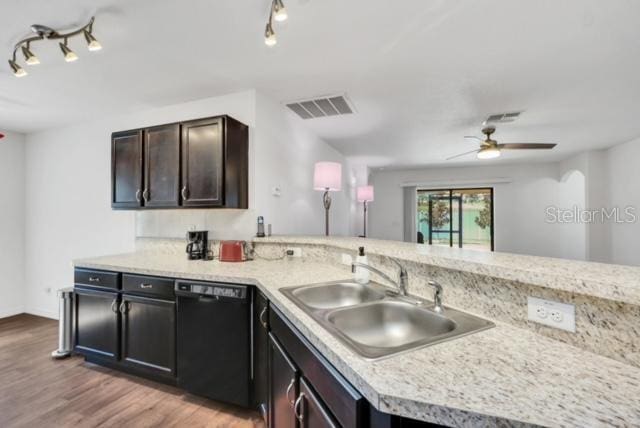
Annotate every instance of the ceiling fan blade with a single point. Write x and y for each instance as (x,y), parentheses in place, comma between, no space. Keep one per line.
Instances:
(474,137)
(463,154)
(525,146)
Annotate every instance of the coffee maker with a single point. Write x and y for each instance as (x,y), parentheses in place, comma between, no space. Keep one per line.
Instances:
(198,245)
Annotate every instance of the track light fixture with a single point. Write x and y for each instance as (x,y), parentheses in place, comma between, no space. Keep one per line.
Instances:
(45,33)
(279,13)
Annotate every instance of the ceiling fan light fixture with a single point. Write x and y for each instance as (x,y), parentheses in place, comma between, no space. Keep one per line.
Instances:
(29,56)
(16,69)
(489,153)
(279,11)
(69,55)
(92,44)
(270,35)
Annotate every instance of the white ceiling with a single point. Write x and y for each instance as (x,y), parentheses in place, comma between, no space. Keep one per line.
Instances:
(421,73)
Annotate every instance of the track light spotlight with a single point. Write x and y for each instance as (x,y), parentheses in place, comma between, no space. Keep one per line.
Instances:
(279,11)
(92,44)
(29,56)
(17,70)
(270,35)
(69,55)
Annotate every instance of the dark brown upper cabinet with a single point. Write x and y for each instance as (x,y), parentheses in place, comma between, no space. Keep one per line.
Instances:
(162,167)
(200,163)
(203,163)
(126,169)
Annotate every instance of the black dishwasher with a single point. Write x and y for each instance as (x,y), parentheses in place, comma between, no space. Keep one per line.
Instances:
(214,340)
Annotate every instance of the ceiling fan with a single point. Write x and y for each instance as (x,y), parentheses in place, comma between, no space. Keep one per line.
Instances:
(490,149)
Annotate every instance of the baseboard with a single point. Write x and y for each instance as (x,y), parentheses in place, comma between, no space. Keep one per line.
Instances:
(42,313)
(9,312)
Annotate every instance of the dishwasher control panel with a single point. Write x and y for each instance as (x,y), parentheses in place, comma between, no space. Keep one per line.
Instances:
(212,289)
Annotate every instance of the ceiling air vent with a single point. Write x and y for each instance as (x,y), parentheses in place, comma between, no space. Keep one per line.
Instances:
(322,107)
(502,118)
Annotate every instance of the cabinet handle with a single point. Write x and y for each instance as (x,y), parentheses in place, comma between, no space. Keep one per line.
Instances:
(184,193)
(138,195)
(94,279)
(299,404)
(124,307)
(146,285)
(114,306)
(291,384)
(263,312)
(145,195)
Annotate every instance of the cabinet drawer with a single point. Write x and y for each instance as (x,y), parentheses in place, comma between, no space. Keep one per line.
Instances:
(343,400)
(148,286)
(97,278)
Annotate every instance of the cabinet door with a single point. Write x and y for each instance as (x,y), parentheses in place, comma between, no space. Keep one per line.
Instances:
(126,169)
(283,386)
(261,354)
(310,410)
(162,166)
(97,323)
(203,163)
(149,334)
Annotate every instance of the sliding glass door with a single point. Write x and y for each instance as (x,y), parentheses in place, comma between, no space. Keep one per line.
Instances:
(460,218)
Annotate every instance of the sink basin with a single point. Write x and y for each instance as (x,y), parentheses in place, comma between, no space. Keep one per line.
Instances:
(389,324)
(378,324)
(336,295)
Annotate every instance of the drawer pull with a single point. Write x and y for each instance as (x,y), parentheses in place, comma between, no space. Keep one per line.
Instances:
(145,195)
(124,307)
(138,195)
(114,306)
(146,286)
(263,312)
(289,388)
(299,404)
(184,193)
(94,279)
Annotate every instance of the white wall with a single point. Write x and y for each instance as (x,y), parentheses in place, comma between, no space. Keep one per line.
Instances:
(624,191)
(68,187)
(519,210)
(12,198)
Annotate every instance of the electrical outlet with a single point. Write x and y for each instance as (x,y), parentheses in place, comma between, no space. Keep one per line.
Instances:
(552,314)
(294,251)
(347,259)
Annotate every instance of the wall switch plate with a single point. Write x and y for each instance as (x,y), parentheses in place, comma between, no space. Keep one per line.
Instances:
(347,259)
(552,314)
(294,251)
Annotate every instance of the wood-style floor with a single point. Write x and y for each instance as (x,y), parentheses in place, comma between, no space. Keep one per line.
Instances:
(37,391)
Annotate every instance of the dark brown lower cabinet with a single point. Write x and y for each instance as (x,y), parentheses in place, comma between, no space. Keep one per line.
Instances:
(283,386)
(148,335)
(310,410)
(97,321)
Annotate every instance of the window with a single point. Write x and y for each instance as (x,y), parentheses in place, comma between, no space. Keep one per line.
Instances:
(456,218)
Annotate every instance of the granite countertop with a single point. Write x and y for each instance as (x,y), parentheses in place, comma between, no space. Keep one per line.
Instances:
(613,282)
(504,376)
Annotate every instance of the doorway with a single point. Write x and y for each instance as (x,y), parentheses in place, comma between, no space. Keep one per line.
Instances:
(460,218)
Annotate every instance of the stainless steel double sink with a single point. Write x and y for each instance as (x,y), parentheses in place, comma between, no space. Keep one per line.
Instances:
(376,322)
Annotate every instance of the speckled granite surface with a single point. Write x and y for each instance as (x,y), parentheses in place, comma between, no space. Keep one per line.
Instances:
(505,376)
(614,282)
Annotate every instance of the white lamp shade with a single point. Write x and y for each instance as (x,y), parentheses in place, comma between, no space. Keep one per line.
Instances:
(364,193)
(327,175)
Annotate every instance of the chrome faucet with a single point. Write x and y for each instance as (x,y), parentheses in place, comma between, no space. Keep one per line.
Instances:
(403,277)
(437,297)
